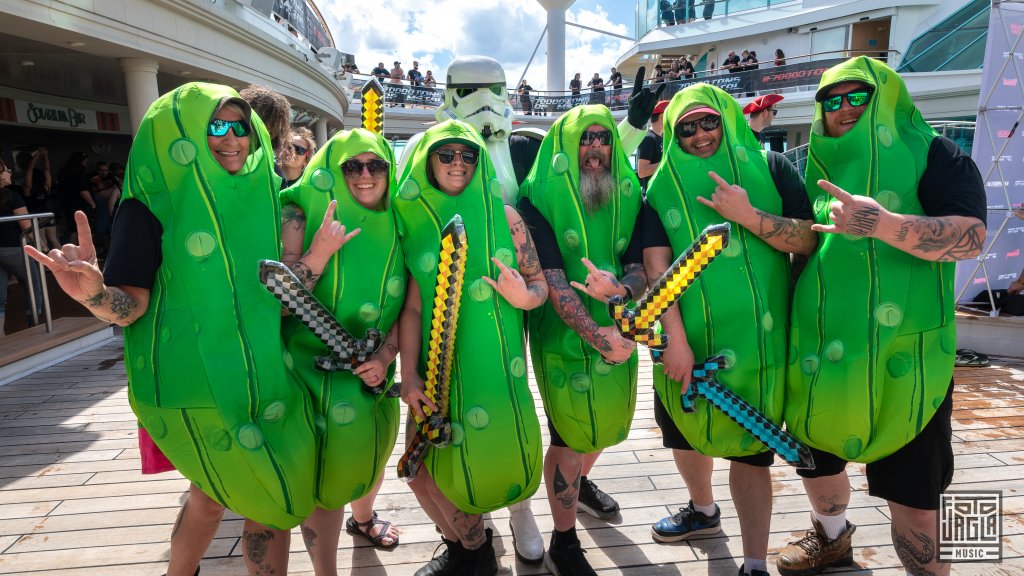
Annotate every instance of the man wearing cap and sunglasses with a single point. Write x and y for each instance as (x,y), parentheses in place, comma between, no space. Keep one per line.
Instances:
(762,112)
(873,339)
(713,169)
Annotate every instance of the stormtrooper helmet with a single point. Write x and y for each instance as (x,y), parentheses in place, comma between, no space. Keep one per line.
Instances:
(476,94)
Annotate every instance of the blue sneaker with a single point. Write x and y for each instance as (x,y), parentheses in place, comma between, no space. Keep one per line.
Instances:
(686,523)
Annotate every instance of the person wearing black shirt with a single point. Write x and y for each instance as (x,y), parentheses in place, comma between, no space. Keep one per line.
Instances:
(648,154)
(732,62)
(12,259)
(616,82)
(596,85)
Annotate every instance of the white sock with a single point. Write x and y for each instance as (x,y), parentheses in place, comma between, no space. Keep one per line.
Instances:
(708,510)
(750,564)
(832,525)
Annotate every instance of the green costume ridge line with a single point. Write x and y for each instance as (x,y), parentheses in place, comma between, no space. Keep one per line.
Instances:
(589,402)
(495,456)
(746,288)
(893,353)
(206,328)
(359,429)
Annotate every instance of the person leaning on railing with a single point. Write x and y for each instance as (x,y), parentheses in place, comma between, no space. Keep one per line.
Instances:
(12,260)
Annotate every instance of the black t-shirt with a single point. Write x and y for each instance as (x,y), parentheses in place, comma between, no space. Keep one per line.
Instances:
(547,245)
(650,149)
(10,232)
(575,85)
(788,183)
(951,184)
(596,85)
(733,60)
(615,80)
(135,253)
(523,151)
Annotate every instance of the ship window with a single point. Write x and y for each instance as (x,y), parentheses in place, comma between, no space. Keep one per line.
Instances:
(956,43)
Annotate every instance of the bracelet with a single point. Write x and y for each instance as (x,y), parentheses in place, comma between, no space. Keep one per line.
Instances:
(629,292)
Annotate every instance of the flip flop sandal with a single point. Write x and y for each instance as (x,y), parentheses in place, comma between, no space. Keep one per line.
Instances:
(357,529)
(971,358)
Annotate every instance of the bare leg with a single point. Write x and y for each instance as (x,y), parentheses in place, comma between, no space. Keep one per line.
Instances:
(589,460)
(320,532)
(696,468)
(751,488)
(423,488)
(193,531)
(562,467)
(265,550)
(829,495)
(914,534)
(362,511)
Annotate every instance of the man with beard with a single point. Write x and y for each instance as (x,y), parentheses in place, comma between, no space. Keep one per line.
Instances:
(581,202)
(713,170)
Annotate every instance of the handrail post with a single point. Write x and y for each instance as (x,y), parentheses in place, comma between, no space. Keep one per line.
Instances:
(29,279)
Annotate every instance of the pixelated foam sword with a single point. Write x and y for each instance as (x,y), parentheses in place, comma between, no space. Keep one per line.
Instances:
(436,428)
(347,351)
(372,116)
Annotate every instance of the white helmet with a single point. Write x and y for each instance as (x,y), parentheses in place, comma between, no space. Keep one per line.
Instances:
(476,93)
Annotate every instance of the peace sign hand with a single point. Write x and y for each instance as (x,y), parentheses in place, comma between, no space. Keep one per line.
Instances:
(74,267)
(850,214)
(599,284)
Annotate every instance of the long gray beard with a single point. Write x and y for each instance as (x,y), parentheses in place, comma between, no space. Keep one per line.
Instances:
(596,189)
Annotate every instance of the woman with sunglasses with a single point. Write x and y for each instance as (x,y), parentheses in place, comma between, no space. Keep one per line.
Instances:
(363,286)
(494,458)
(202,335)
(303,147)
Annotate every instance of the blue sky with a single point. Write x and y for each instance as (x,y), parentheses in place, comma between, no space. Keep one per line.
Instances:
(407,30)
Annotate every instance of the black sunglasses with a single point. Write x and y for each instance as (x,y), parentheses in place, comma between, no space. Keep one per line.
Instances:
(708,123)
(300,150)
(469,157)
(377,168)
(775,111)
(219,128)
(588,138)
(856,99)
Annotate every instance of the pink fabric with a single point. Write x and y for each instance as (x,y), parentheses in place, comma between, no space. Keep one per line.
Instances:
(153,460)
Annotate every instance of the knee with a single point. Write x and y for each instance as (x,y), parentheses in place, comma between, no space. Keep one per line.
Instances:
(204,505)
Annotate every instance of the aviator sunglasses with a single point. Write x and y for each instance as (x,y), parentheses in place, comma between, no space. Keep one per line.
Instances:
(219,128)
(708,123)
(376,168)
(588,138)
(856,99)
(469,157)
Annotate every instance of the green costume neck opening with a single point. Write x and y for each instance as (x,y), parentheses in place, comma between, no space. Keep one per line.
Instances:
(324,170)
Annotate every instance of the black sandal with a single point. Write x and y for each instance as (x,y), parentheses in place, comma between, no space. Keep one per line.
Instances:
(357,528)
(965,357)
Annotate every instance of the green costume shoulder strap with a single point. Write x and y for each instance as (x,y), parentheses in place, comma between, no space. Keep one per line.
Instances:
(364,287)
(589,401)
(859,383)
(739,305)
(494,459)
(204,363)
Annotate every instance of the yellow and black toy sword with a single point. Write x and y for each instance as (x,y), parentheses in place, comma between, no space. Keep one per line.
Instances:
(638,323)
(373,106)
(347,351)
(451,271)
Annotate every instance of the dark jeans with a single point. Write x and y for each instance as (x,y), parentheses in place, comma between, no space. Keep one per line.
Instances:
(12,262)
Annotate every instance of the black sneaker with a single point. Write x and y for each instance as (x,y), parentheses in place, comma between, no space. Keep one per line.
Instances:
(449,563)
(595,502)
(685,523)
(481,562)
(568,561)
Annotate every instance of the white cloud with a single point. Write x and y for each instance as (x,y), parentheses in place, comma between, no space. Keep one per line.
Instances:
(434,32)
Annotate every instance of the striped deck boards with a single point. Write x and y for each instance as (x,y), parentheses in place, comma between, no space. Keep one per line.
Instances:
(72,501)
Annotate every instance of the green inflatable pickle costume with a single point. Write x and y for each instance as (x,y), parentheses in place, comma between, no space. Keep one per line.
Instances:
(205,370)
(494,459)
(739,306)
(873,335)
(589,401)
(364,286)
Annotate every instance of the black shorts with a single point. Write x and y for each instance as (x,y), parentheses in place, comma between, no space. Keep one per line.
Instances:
(914,475)
(556,439)
(672,438)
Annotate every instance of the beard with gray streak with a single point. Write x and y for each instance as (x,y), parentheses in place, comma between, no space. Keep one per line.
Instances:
(596,188)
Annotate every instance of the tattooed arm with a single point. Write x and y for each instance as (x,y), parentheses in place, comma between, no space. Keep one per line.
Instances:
(119,305)
(329,238)
(937,239)
(524,288)
(567,304)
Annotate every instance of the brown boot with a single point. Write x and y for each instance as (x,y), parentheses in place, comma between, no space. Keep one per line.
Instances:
(814,552)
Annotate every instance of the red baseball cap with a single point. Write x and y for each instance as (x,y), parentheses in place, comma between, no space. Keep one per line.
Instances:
(660,107)
(762,103)
(696,111)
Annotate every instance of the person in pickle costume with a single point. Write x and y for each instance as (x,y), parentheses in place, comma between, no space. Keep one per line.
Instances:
(873,338)
(203,350)
(494,458)
(714,170)
(581,201)
(363,286)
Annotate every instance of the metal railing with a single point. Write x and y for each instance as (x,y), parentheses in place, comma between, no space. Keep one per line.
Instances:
(651,14)
(30,289)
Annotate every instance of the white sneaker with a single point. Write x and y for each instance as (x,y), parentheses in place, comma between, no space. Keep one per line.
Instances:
(526,538)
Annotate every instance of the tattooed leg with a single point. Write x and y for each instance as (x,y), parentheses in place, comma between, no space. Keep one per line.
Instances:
(914,534)
(829,495)
(265,551)
(193,531)
(562,471)
(470,528)
(321,532)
